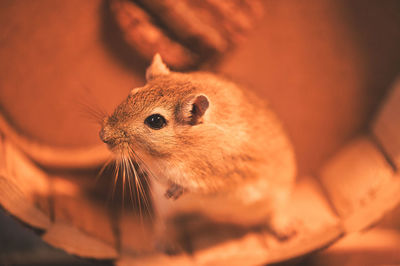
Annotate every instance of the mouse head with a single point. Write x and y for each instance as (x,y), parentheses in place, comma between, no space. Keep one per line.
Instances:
(154,120)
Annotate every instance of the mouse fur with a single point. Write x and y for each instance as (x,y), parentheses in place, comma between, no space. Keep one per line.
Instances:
(222,152)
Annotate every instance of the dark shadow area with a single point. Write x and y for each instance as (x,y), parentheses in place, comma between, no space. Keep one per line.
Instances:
(376,29)
(112,38)
(20,245)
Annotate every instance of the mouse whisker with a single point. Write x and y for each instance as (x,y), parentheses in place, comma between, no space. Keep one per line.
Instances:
(127,174)
(141,165)
(103,168)
(128,168)
(116,173)
(139,193)
(124,178)
(91,111)
(132,160)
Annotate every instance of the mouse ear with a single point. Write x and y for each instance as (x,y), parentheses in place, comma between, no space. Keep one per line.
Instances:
(157,68)
(194,108)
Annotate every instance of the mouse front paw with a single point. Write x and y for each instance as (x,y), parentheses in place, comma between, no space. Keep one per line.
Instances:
(284,227)
(174,192)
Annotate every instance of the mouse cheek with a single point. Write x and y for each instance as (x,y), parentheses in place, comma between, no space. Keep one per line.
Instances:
(138,143)
(142,144)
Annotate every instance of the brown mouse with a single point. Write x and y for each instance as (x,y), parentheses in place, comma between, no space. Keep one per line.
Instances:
(211,145)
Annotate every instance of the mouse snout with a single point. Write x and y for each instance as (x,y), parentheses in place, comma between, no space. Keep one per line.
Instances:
(111,135)
(105,136)
(105,133)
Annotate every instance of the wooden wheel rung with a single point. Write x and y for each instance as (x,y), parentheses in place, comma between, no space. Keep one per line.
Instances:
(386,126)
(360,183)
(24,188)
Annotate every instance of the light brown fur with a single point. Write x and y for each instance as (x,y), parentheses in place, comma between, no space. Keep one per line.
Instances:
(235,164)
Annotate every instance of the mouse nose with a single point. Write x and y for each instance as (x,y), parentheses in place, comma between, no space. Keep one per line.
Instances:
(104,136)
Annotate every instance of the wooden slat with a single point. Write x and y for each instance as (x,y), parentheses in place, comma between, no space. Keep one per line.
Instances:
(373,247)
(74,241)
(24,188)
(82,226)
(360,183)
(55,157)
(317,227)
(187,22)
(140,31)
(156,260)
(386,126)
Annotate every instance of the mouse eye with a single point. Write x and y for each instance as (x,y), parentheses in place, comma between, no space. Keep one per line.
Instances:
(155,121)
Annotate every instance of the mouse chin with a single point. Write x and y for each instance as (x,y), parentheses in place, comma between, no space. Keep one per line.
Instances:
(117,149)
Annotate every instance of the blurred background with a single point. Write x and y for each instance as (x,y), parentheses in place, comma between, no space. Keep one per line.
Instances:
(324,66)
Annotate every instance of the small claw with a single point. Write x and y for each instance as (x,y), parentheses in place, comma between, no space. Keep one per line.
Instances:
(174,192)
(284,228)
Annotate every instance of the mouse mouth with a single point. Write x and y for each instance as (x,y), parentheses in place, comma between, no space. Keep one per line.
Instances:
(120,147)
(114,143)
